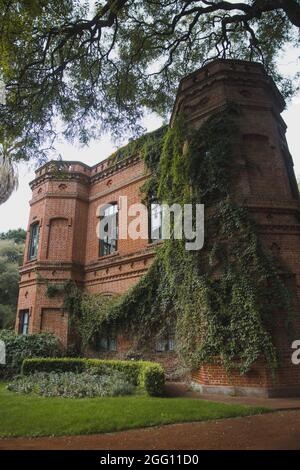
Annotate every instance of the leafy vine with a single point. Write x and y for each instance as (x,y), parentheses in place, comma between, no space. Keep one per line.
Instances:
(221,301)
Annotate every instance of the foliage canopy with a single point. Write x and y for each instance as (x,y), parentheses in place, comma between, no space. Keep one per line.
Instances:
(11,258)
(96,66)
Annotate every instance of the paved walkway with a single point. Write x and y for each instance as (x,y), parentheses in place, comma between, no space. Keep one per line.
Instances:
(278,430)
(179,389)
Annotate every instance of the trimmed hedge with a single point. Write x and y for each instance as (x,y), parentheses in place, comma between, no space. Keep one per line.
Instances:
(131,369)
(55,364)
(149,376)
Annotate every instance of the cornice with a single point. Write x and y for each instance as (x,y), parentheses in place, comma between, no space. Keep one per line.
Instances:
(67,176)
(118,260)
(115,277)
(50,265)
(292,229)
(208,75)
(52,195)
(119,186)
(116,168)
(268,206)
(82,178)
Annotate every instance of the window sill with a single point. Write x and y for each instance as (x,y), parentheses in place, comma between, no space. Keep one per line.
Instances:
(165,352)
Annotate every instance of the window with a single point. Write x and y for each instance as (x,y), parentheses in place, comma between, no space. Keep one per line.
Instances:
(109,243)
(24,322)
(155,222)
(165,344)
(106,343)
(34,241)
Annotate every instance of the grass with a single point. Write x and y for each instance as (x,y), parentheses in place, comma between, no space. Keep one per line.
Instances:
(29,415)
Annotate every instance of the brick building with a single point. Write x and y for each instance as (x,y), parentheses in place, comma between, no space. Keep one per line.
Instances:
(62,242)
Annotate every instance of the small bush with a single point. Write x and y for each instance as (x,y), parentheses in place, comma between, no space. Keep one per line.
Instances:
(72,385)
(152,379)
(19,347)
(148,376)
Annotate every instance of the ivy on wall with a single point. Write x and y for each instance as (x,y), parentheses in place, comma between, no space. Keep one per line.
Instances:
(221,301)
(148,145)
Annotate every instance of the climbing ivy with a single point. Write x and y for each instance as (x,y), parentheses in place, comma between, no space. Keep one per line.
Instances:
(90,316)
(148,146)
(54,289)
(221,301)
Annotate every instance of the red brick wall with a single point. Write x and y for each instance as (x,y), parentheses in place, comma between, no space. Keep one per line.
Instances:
(55,321)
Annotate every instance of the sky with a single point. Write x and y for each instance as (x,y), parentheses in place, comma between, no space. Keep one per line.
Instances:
(15,212)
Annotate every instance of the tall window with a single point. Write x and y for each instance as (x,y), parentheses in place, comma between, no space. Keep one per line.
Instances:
(155,222)
(24,322)
(109,243)
(34,241)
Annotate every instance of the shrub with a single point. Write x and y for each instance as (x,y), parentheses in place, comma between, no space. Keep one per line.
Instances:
(19,347)
(72,385)
(148,376)
(152,379)
(130,369)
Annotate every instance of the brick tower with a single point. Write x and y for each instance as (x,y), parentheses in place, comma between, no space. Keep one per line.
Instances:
(64,215)
(266,185)
(55,245)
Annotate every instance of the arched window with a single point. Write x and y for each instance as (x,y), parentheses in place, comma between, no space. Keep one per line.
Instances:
(108,243)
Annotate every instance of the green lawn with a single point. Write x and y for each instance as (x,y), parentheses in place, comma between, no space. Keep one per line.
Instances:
(29,415)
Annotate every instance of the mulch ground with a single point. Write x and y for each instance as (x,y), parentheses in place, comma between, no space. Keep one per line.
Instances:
(277,430)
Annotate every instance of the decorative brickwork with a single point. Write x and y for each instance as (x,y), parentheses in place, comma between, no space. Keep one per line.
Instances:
(265,183)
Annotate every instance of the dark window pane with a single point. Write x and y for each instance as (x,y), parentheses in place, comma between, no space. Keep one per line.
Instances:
(106,343)
(112,344)
(155,222)
(103,344)
(165,344)
(171,345)
(24,322)
(34,241)
(109,243)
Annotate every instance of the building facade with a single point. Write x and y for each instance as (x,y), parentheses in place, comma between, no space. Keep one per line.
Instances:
(62,240)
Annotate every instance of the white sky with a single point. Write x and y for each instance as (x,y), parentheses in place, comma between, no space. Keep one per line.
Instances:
(14,213)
